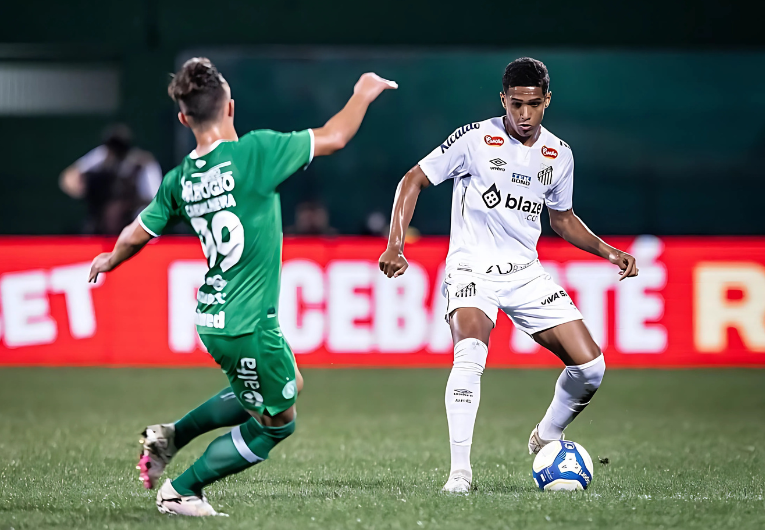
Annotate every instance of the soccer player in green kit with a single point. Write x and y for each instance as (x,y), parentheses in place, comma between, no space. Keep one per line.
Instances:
(226,190)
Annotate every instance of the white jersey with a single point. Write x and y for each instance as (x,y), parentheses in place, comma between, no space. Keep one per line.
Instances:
(500,186)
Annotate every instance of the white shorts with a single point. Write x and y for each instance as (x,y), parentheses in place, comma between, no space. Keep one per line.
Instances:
(530,297)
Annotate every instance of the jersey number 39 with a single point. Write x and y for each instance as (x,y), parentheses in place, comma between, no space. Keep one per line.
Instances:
(224,236)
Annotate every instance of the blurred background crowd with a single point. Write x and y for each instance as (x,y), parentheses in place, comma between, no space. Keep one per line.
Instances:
(666,127)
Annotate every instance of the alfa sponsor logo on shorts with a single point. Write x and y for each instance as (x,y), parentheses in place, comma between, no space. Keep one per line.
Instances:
(248,374)
(462,395)
(251,398)
(468,290)
(545,175)
(555,296)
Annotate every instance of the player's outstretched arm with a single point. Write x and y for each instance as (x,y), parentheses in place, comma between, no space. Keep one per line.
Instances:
(392,262)
(339,130)
(568,226)
(132,239)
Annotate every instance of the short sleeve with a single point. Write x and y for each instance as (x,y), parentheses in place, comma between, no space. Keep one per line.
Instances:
(449,160)
(560,196)
(278,155)
(149,180)
(161,209)
(91,159)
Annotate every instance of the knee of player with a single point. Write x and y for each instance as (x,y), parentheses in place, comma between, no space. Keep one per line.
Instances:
(299,382)
(595,371)
(470,355)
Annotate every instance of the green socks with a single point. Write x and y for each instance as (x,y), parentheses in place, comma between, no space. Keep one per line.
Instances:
(243,447)
(221,410)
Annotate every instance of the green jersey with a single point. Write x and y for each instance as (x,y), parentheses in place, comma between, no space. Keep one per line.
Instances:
(229,198)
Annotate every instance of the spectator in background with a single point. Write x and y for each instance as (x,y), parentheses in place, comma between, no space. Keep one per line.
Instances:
(311,219)
(376,224)
(116,180)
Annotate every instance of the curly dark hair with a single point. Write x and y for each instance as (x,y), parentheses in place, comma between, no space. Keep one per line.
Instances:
(198,89)
(526,71)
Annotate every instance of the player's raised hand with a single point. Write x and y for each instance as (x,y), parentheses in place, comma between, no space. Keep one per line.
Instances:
(101,263)
(393,263)
(625,262)
(371,85)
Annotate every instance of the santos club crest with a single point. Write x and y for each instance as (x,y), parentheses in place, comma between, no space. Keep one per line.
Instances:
(545,175)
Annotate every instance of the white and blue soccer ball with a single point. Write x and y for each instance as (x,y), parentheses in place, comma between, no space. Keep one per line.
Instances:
(562,465)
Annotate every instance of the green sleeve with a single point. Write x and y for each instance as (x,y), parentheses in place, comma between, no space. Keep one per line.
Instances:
(278,155)
(162,208)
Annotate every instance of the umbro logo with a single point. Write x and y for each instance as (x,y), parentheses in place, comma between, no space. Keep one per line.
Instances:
(468,290)
(497,164)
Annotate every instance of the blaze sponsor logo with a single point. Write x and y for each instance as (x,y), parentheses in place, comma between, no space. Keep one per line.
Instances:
(493,140)
(523,180)
(555,296)
(497,164)
(545,175)
(533,208)
(456,135)
(549,152)
(492,197)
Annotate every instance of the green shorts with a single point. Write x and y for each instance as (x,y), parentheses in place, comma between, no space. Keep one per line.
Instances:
(260,367)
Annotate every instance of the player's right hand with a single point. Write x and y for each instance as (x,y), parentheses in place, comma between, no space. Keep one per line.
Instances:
(393,263)
(101,263)
(371,85)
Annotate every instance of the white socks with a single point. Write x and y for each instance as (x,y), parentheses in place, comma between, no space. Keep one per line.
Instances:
(463,393)
(573,391)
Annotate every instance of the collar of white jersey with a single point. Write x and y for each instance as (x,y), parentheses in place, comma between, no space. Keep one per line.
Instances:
(193,154)
(542,132)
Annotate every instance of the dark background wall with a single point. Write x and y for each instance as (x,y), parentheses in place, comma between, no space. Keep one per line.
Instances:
(662,103)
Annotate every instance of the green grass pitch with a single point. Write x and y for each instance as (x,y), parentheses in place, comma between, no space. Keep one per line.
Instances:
(371,451)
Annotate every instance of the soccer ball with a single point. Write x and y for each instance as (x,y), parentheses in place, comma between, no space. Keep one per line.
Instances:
(562,465)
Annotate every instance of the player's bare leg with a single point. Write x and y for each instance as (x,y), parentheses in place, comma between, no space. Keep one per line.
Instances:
(578,382)
(470,331)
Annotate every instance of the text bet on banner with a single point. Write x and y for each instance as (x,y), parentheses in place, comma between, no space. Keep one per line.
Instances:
(696,302)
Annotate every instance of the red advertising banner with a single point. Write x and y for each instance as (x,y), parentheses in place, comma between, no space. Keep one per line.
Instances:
(696,302)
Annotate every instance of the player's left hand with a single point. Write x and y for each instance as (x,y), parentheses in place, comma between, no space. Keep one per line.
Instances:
(625,262)
(101,263)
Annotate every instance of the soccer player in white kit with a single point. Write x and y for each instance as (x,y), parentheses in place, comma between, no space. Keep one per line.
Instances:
(503,171)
